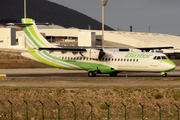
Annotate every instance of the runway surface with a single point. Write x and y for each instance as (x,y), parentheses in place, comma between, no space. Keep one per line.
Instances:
(60,73)
(55,78)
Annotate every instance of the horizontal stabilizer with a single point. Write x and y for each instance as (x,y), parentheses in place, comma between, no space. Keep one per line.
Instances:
(11,24)
(64,49)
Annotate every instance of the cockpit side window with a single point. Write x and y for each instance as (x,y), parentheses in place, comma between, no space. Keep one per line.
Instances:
(158,57)
(164,57)
(155,57)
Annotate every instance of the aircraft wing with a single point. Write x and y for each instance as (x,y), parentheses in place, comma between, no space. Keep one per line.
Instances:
(153,48)
(93,52)
(86,52)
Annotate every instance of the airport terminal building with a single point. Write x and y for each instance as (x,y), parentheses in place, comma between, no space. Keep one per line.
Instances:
(13,37)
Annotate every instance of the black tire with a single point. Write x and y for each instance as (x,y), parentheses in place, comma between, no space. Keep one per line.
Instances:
(91,74)
(164,75)
(113,74)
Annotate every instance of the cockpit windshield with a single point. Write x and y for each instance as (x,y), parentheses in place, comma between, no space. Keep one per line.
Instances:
(164,57)
(160,57)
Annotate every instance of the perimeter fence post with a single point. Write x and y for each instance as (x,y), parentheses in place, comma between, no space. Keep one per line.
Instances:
(42,110)
(26,109)
(58,110)
(91,109)
(159,111)
(142,109)
(11,109)
(124,108)
(177,110)
(74,110)
(108,109)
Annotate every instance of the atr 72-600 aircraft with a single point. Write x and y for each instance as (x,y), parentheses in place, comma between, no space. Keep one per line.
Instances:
(93,60)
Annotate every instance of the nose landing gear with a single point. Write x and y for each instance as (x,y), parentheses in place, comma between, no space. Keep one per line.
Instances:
(164,74)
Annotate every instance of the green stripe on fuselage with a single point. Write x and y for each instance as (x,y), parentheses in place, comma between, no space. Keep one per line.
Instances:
(40,59)
(168,61)
(85,65)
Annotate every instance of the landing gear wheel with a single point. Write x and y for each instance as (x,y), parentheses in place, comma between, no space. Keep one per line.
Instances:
(113,74)
(92,74)
(164,75)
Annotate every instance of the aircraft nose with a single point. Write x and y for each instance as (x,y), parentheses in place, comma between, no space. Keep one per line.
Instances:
(171,65)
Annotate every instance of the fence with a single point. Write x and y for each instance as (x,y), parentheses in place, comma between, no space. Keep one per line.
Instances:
(40,111)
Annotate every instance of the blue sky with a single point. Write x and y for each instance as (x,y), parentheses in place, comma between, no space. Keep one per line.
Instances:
(163,16)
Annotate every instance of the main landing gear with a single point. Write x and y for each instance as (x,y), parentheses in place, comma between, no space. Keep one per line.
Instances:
(92,73)
(164,74)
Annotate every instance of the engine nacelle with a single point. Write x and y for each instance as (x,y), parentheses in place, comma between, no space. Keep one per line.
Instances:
(93,53)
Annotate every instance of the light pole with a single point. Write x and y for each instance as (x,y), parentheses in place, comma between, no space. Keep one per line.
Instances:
(24,8)
(104,2)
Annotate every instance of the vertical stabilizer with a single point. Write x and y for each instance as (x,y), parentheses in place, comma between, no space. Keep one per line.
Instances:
(33,38)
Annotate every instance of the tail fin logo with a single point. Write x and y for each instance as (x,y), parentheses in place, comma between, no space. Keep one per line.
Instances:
(33,38)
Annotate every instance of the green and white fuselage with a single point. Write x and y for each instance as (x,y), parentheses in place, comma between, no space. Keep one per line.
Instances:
(111,62)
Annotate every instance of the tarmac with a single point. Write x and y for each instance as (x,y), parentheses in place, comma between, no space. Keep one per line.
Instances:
(61,73)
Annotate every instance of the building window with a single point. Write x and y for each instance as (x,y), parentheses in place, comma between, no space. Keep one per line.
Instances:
(17,42)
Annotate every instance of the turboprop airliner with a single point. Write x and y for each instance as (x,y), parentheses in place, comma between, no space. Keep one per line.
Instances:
(93,60)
